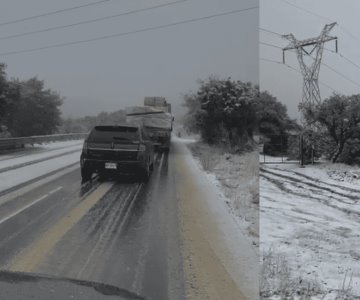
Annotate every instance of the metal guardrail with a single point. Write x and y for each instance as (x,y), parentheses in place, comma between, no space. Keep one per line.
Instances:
(20,142)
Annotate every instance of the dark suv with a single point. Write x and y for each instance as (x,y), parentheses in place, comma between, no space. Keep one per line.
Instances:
(119,148)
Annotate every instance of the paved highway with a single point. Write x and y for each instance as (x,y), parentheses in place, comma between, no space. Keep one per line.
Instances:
(116,231)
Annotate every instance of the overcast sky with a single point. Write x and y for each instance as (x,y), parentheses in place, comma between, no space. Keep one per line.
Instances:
(278,16)
(111,74)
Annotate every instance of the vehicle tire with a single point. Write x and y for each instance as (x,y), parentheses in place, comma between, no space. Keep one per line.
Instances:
(166,150)
(145,174)
(86,173)
(103,176)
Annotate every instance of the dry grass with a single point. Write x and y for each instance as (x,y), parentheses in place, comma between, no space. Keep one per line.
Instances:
(209,161)
(209,156)
(239,177)
(278,280)
(345,291)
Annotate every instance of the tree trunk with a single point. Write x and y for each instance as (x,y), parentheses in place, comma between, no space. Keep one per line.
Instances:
(338,152)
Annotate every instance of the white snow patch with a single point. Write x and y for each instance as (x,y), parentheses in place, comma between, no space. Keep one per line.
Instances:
(311,216)
(18,176)
(39,148)
(56,149)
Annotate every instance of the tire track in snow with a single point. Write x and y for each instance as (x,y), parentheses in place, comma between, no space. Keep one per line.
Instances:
(317,184)
(319,192)
(312,179)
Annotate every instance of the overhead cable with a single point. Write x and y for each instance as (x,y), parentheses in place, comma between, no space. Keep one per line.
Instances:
(117,35)
(53,12)
(91,20)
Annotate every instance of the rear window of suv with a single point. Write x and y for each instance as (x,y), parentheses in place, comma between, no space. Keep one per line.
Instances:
(113,134)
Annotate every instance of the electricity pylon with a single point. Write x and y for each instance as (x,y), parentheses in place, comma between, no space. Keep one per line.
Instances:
(306,48)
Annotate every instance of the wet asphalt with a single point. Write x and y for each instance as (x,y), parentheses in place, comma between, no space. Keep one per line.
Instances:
(128,237)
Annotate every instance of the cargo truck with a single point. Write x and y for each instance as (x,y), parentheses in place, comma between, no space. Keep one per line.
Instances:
(156,117)
(159,103)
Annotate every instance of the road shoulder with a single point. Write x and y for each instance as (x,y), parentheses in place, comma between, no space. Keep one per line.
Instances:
(220,262)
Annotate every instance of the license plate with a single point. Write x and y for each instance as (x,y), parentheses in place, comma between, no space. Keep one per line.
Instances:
(111,166)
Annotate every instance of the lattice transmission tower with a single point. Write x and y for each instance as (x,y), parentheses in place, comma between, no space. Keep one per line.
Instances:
(312,48)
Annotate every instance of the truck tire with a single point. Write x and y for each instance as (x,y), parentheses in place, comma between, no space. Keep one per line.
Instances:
(165,149)
(145,173)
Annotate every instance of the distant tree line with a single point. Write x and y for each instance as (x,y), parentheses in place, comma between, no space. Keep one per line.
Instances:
(27,107)
(85,124)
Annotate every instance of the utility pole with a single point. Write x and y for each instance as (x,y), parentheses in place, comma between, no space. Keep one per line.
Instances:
(312,48)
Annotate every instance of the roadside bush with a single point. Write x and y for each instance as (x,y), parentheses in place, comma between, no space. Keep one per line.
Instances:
(340,116)
(223,112)
(272,117)
(351,153)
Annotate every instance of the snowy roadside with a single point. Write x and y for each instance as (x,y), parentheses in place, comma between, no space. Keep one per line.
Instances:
(236,180)
(29,151)
(12,178)
(310,231)
(44,152)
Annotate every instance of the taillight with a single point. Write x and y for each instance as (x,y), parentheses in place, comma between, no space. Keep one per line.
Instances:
(142,147)
(85,147)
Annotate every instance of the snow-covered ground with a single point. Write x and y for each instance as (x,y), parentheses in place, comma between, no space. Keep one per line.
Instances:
(310,228)
(42,152)
(38,148)
(38,161)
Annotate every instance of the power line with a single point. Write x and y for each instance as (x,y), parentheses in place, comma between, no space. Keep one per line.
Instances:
(329,67)
(53,12)
(279,63)
(348,32)
(129,32)
(270,45)
(349,60)
(92,20)
(343,28)
(307,11)
(344,57)
(298,71)
(340,74)
(341,55)
(274,46)
(270,31)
